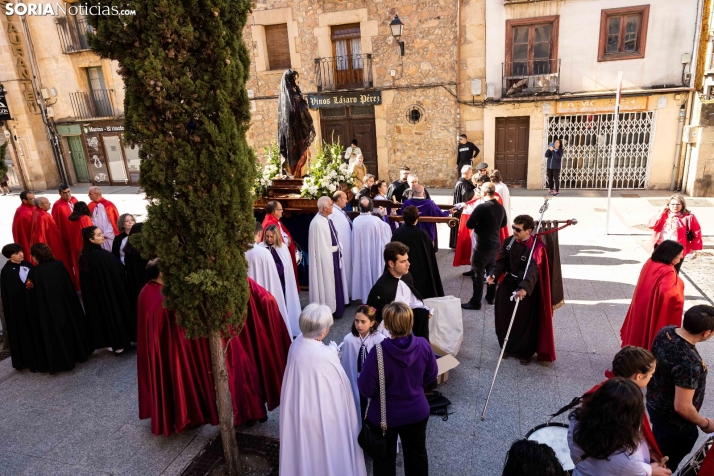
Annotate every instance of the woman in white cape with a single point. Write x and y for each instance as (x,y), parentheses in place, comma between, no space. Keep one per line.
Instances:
(273,238)
(318,418)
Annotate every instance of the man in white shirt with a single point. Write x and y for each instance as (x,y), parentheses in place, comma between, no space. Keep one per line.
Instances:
(353,153)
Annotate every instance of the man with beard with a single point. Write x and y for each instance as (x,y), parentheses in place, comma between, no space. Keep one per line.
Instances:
(22,222)
(463,192)
(61,210)
(397,188)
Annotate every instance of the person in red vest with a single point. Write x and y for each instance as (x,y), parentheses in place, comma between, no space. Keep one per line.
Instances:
(45,230)
(273,214)
(61,210)
(80,219)
(104,215)
(22,222)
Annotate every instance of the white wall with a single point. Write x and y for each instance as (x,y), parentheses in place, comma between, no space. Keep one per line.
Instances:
(670,34)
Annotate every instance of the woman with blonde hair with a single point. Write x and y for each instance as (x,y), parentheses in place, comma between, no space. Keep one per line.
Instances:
(677,223)
(273,242)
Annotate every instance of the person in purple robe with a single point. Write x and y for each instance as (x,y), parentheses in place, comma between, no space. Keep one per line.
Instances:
(427,208)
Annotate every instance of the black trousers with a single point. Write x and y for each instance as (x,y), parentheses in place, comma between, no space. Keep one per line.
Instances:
(553,179)
(416,461)
(482,261)
(421,323)
(672,442)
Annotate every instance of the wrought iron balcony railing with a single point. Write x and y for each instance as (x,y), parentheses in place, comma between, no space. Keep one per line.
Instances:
(529,78)
(73,34)
(96,104)
(343,72)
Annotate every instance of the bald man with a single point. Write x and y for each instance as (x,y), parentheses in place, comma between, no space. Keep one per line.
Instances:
(105,216)
(427,208)
(45,230)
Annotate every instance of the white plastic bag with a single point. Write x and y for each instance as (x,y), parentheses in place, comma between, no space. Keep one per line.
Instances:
(446,327)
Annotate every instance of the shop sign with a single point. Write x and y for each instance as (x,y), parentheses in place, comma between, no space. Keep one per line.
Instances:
(4,110)
(99,129)
(606,105)
(368,98)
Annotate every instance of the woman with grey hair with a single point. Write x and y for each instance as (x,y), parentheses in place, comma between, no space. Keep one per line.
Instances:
(318,417)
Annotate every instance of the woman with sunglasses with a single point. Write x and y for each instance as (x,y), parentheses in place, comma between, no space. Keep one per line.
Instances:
(677,223)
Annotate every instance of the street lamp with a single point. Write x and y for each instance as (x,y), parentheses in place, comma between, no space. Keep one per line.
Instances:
(397,28)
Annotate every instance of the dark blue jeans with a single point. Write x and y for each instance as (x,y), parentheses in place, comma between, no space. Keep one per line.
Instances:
(673,442)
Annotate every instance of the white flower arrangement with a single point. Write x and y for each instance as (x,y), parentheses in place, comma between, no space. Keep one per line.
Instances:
(266,174)
(327,173)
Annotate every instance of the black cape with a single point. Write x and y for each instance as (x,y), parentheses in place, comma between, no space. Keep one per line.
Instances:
(116,244)
(110,313)
(385,290)
(422,260)
(14,304)
(135,268)
(61,331)
(463,192)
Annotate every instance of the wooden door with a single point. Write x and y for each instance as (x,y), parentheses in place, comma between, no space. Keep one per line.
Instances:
(364,131)
(512,148)
(79,161)
(347,123)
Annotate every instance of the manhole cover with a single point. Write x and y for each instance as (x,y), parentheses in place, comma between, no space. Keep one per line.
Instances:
(691,202)
(642,227)
(600,210)
(629,195)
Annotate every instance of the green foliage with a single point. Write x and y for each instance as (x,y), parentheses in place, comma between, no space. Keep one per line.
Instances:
(3,166)
(184,66)
(327,172)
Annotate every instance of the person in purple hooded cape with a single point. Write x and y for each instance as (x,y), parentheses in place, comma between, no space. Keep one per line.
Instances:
(427,208)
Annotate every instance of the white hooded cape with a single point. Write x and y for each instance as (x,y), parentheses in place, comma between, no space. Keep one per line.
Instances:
(350,352)
(318,420)
(292,299)
(262,270)
(344,232)
(322,270)
(369,235)
(505,194)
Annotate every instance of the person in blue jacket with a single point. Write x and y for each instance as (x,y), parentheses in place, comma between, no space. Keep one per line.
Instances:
(554,154)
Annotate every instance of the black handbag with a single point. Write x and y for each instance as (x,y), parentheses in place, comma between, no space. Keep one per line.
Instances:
(690,233)
(372,442)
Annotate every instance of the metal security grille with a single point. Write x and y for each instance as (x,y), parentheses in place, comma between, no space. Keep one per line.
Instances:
(587,140)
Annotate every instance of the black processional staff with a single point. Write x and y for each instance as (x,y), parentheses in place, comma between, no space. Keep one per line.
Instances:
(515,309)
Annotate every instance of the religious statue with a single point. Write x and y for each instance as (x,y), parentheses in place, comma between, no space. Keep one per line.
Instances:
(295,127)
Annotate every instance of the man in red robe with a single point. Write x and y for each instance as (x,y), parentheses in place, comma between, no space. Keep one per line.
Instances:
(658,301)
(45,230)
(22,222)
(61,210)
(176,389)
(273,214)
(104,215)
(532,330)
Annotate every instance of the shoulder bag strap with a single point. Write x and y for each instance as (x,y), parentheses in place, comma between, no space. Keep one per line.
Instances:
(382,390)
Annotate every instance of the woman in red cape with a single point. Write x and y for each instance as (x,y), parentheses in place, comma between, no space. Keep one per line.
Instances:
(658,300)
(273,214)
(464,243)
(638,365)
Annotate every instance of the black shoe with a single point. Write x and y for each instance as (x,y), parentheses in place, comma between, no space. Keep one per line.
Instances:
(490,301)
(469,273)
(473,306)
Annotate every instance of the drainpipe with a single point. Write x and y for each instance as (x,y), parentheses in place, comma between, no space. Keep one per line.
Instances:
(683,187)
(678,148)
(458,66)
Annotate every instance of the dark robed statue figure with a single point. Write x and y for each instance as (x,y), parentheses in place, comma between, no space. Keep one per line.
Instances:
(295,128)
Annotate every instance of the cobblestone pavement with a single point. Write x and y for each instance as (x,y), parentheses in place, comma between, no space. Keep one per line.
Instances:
(85,421)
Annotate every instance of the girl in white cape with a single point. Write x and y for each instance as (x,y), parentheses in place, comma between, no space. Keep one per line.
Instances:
(355,347)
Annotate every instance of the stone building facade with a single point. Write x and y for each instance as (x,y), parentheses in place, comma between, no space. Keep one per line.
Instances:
(422,104)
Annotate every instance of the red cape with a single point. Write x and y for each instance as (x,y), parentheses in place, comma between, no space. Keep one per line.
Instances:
(22,228)
(646,428)
(174,373)
(271,220)
(61,212)
(112,212)
(546,338)
(44,230)
(658,301)
(74,235)
(462,254)
(256,359)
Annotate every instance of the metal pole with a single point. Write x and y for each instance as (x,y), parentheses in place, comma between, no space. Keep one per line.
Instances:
(515,309)
(613,148)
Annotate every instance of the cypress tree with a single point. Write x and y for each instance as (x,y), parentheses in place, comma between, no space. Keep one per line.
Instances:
(184,66)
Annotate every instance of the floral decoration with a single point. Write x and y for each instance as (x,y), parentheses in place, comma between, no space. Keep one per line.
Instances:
(266,174)
(29,284)
(327,172)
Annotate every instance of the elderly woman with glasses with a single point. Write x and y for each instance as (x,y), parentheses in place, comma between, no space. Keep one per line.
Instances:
(318,418)
(677,223)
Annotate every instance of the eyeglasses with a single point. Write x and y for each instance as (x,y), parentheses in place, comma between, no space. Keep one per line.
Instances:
(675,204)
(516,229)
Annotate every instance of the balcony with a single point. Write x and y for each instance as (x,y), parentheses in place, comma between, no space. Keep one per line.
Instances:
(96,104)
(73,34)
(343,72)
(531,78)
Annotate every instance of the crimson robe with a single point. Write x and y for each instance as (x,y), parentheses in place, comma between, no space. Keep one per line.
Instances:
(271,220)
(658,301)
(464,245)
(45,230)
(76,242)
(646,427)
(22,228)
(257,358)
(176,388)
(112,212)
(61,212)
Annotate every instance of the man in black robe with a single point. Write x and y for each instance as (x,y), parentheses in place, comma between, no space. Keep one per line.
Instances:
(463,192)
(54,308)
(14,302)
(397,284)
(422,257)
(396,189)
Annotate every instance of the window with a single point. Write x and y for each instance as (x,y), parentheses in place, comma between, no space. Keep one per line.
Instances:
(98,95)
(531,46)
(276,39)
(623,33)
(347,48)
